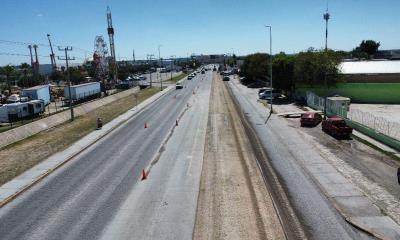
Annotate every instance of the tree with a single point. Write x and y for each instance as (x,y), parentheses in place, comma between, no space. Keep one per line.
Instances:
(255,69)
(8,71)
(283,71)
(25,67)
(366,49)
(317,67)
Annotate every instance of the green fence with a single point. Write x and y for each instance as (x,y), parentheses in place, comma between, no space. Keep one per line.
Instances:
(388,93)
(391,142)
(335,109)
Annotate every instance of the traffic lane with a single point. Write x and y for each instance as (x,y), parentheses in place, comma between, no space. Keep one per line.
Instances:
(79,198)
(320,218)
(154,208)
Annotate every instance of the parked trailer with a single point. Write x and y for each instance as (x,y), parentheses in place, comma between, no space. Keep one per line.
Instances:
(83,91)
(41,92)
(17,111)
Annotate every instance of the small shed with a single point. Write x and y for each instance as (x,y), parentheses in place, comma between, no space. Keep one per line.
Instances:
(41,92)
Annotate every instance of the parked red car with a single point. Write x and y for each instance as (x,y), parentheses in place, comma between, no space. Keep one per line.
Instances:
(337,127)
(310,119)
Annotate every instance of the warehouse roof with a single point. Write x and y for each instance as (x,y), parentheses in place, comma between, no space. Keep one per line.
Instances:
(37,87)
(370,67)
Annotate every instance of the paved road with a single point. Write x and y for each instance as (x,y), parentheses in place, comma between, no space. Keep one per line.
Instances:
(80,199)
(320,219)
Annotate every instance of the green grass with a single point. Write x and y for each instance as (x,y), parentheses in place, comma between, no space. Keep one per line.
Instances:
(358,92)
(22,155)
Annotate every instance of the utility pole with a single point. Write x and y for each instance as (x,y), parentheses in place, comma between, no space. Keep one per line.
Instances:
(150,57)
(67,58)
(172,63)
(159,58)
(270,65)
(52,55)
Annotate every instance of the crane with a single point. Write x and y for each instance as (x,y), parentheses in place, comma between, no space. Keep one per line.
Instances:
(110,31)
(52,56)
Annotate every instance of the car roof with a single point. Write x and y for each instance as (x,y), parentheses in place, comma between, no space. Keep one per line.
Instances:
(335,118)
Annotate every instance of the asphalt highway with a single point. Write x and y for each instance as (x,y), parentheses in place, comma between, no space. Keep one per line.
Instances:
(79,200)
(316,213)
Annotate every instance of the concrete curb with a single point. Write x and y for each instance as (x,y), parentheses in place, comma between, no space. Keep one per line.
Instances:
(120,121)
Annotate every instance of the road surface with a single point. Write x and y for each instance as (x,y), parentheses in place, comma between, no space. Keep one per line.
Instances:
(79,200)
(319,218)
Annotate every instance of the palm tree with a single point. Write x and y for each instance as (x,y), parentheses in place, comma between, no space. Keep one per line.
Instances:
(8,71)
(25,68)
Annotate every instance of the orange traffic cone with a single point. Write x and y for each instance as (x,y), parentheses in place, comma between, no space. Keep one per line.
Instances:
(144,175)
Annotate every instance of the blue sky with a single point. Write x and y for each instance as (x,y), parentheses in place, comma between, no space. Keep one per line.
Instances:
(195,26)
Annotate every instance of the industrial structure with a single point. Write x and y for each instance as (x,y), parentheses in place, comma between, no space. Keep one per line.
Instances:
(113,62)
(52,55)
(100,64)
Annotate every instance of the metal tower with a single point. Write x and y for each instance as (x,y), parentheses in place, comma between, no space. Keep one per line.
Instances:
(35,47)
(99,58)
(32,62)
(327,16)
(110,30)
(52,55)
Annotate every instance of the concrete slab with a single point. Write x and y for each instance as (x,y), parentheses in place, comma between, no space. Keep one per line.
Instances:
(381,227)
(357,206)
(331,178)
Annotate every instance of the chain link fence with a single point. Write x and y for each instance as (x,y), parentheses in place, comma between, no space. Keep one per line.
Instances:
(379,124)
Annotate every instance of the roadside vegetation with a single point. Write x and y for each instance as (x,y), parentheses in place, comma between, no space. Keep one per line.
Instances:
(21,156)
(311,67)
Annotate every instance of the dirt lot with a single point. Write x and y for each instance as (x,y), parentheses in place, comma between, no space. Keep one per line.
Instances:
(234,202)
(19,157)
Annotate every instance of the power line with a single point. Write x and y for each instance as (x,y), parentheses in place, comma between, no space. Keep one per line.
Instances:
(2,41)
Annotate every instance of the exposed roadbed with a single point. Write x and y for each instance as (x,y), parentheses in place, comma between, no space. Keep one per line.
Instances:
(234,202)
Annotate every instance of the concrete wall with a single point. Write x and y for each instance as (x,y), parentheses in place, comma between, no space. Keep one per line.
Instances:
(35,127)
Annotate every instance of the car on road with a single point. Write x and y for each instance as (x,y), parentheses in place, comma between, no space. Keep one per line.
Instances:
(226,78)
(310,119)
(267,94)
(202,72)
(179,85)
(337,127)
(189,77)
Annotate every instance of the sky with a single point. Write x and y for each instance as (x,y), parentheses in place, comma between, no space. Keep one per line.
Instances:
(185,27)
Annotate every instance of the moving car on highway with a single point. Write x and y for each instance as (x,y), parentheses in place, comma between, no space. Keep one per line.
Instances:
(337,127)
(179,85)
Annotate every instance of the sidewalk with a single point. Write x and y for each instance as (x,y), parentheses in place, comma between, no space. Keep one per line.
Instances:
(23,182)
(351,202)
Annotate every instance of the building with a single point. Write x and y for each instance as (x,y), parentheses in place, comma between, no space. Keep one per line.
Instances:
(372,82)
(393,54)
(382,71)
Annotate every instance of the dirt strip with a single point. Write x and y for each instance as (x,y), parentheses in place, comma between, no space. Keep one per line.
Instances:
(234,202)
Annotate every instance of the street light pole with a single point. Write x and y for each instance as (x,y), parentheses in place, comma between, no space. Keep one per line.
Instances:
(270,65)
(159,58)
